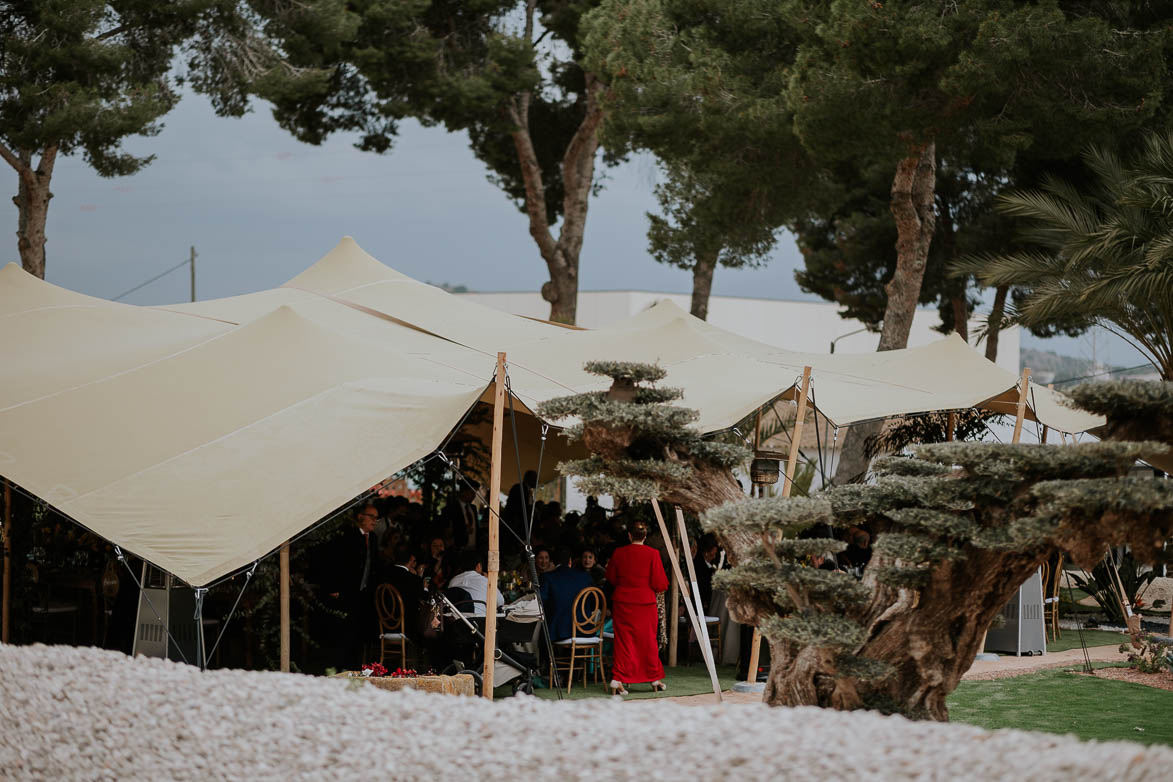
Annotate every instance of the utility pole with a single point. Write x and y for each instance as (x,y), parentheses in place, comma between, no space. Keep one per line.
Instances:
(192,264)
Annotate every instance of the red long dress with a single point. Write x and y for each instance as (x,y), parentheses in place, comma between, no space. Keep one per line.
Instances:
(636,573)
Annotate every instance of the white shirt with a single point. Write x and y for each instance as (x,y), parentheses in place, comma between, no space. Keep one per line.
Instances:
(477,587)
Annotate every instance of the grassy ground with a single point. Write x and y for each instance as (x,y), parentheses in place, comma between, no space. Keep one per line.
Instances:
(682,680)
(1070,640)
(1057,701)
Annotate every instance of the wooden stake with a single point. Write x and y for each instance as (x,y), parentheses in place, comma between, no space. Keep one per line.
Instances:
(6,541)
(494,557)
(787,487)
(283,558)
(688,605)
(673,611)
(702,626)
(951,427)
(1020,415)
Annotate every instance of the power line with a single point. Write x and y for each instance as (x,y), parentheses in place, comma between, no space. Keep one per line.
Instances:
(158,276)
(1101,374)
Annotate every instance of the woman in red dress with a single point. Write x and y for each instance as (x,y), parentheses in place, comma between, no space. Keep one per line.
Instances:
(636,574)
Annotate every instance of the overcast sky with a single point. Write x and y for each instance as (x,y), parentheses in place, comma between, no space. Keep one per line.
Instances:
(259,207)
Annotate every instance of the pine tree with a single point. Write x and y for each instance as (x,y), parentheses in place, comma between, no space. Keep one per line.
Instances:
(957,528)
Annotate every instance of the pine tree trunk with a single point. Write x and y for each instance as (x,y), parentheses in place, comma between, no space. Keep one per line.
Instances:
(960,315)
(32,204)
(912,205)
(578,168)
(702,284)
(994,327)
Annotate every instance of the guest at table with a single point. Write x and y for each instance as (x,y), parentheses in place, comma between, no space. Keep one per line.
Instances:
(705,563)
(543,562)
(404,576)
(471,578)
(589,564)
(559,590)
(637,575)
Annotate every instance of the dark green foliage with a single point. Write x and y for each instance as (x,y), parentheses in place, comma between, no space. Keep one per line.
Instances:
(824,631)
(1097,253)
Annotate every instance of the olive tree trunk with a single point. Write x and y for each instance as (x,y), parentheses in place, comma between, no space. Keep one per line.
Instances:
(32,204)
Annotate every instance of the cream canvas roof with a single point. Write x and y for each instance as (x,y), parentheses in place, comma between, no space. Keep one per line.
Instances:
(201,436)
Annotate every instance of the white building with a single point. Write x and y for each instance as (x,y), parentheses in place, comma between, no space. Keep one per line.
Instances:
(795,325)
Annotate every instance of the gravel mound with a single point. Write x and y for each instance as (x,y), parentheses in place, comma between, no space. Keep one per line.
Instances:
(79,713)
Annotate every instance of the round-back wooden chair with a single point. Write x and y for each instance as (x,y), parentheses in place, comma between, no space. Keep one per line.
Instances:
(389,608)
(589,613)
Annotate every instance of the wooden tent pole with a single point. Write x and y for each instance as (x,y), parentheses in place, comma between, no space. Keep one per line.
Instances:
(6,542)
(787,486)
(1050,387)
(283,557)
(951,427)
(688,605)
(494,557)
(1020,414)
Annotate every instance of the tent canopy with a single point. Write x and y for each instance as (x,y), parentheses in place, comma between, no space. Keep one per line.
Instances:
(202,436)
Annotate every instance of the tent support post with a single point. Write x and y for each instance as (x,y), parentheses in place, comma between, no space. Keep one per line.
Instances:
(1020,413)
(6,543)
(284,598)
(494,557)
(688,604)
(787,487)
(1019,417)
(951,427)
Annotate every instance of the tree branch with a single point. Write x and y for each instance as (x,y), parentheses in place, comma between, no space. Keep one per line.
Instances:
(12,160)
(578,167)
(531,174)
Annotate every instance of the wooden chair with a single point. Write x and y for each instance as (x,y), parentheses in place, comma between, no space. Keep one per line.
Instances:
(586,643)
(389,607)
(1051,584)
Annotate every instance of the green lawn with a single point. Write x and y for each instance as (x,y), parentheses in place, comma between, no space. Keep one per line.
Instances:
(1070,640)
(1057,701)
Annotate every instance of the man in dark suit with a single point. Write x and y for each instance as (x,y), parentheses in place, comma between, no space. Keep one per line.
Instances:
(404,576)
(559,589)
(349,582)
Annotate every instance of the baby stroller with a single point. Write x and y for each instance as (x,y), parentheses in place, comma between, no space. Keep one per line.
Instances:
(514,664)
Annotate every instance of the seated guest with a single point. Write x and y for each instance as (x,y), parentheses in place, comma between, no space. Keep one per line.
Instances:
(859,551)
(705,563)
(543,562)
(589,564)
(559,589)
(470,577)
(404,576)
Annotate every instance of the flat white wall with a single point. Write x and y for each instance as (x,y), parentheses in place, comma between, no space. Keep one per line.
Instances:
(795,325)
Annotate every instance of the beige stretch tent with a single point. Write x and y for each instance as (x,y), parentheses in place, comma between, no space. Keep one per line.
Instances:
(202,436)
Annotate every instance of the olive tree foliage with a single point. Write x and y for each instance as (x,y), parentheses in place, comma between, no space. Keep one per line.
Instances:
(78,77)
(957,528)
(507,73)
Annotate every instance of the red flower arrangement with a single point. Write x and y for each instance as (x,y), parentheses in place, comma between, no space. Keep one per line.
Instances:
(377,669)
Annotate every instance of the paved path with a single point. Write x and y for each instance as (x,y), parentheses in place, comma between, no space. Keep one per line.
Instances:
(1004,666)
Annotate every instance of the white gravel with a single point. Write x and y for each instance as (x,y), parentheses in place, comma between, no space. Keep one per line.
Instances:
(73,714)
